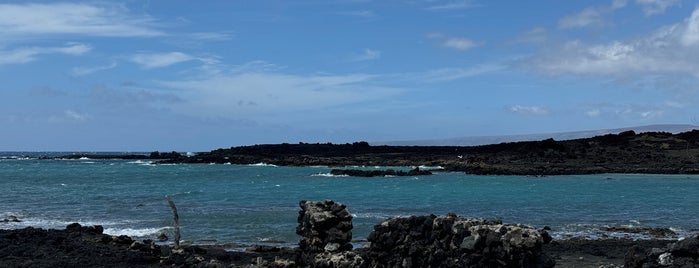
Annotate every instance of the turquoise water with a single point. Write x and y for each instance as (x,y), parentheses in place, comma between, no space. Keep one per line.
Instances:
(259,204)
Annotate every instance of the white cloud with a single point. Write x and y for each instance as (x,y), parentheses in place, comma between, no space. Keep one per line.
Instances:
(459,43)
(670,50)
(587,17)
(654,7)
(369,54)
(591,16)
(534,35)
(80,71)
(690,37)
(528,110)
(28,54)
(264,94)
(633,112)
(35,19)
(159,60)
(453,5)
(68,116)
(450,74)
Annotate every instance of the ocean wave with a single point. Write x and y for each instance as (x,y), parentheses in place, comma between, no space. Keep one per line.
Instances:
(141,162)
(431,167)
(135,232)
(328,175)
(261,164)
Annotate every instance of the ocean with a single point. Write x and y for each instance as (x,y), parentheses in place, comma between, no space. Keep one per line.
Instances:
(258,204)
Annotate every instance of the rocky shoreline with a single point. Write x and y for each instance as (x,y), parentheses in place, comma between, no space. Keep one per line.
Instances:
(626,152)
(325,230)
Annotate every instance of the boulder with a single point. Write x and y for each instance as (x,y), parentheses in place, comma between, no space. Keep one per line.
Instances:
(682,253)
(326,232)
(452,241)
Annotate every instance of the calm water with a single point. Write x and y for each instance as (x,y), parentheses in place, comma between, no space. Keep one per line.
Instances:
(256,204)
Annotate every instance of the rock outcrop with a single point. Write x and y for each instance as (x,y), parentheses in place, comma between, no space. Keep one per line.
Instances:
(452,241)
(326,232)
(682,253)
(380,173)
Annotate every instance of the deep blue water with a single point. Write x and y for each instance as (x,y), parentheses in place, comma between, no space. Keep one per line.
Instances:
(254,204)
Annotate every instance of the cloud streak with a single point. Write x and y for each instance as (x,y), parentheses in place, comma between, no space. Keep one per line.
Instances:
(29,54)
(453,5)
(160,60)
(369,54)
(591,16)
(655,7)
(34,19)
(528,110)
(263,94)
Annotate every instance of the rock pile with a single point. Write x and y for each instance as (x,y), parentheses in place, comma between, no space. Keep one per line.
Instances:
(326,232)
(683,253)
(452,241)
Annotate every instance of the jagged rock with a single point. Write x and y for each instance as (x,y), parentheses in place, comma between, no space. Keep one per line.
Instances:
(379,173)
(682,253)
(10,218)
(324,227)
(345,259)
(452,241)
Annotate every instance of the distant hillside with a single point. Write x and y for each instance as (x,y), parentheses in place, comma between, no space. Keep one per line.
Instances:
(485,140)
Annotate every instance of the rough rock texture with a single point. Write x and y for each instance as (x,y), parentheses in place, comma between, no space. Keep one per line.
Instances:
(75,246)
(452,241)
(326,232)
(380,173)
(682,253)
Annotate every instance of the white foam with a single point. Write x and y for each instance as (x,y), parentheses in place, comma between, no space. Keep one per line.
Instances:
(84,158)
(328,175)
(135,232)
(430,167)
(141,162)
(261,164)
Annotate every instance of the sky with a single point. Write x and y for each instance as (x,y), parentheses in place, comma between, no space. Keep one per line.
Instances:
(199,75)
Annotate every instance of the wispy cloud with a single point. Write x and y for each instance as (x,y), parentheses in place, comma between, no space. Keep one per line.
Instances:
(453,5)
(368,54)
(210,36)
(263,93)
(654,7)
(80,71)
(39,19)
(528,110)
(450,74)
(634,112)
(68,116)
(591,16)
(534,35)
(672,49)
(159,60)
(28,54)
(459,43)
(365,14)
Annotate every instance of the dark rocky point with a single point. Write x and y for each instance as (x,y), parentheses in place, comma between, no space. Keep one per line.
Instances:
(626,152)
(379,173)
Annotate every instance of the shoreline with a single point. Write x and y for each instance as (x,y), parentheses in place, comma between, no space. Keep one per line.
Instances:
(35,247)
(627,152)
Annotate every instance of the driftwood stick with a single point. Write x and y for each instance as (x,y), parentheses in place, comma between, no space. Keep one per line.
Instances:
(176,220)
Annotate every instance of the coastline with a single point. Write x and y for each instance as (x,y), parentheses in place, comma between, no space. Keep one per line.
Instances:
(87,246)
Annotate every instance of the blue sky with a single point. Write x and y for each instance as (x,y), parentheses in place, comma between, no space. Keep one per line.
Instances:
(200,75)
